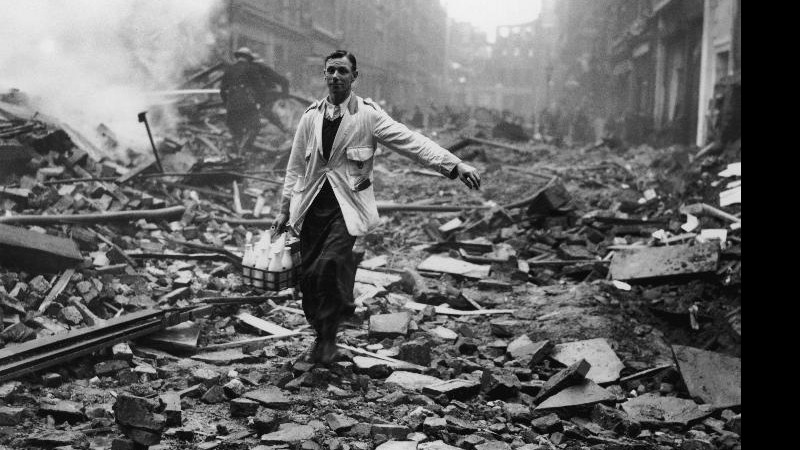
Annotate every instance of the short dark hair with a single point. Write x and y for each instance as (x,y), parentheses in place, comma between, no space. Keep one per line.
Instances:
(342,54)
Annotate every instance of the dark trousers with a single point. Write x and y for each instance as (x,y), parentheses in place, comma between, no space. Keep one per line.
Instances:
(329,269)
(244,125)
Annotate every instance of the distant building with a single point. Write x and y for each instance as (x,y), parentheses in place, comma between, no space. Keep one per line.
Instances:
(469,77)
(649,65)
(400,44)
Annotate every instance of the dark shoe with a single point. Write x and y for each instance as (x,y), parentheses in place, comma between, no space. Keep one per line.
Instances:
(312,353)
(327,351)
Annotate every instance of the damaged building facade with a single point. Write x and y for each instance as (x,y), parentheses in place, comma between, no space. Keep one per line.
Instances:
(400,45)
(653,70)
(656,71)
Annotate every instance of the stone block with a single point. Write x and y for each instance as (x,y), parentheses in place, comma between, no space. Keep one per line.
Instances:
(389,325)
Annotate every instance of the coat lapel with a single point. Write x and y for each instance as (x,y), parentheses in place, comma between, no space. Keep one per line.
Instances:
(318,132)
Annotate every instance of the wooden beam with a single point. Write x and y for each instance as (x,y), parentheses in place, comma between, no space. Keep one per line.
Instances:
(263,325)
(258,340)
(443,309)
(172,212)
(398,363)
(62,282)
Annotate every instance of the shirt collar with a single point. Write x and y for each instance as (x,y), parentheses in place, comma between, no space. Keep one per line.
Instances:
(333,112)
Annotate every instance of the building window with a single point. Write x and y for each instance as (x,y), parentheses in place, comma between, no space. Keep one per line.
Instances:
(722,65)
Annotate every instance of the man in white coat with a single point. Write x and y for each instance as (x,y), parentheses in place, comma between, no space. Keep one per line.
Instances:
(328,197)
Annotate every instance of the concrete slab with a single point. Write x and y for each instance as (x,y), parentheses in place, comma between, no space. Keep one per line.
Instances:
(55,438)
(225,357)
(437,445)
(650,409)
(411,381)
(653,262)
(269,396)
(20,247)
(289,433)
(714,378)
(531,352)
(398,445)
(383,279)
(456,388)
(606,365)
(583,394)
(445,264)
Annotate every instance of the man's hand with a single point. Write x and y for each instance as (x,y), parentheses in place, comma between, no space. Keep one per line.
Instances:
(279,224)
(469,175)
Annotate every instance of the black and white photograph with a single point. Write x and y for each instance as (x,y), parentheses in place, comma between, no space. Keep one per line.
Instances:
(370,224)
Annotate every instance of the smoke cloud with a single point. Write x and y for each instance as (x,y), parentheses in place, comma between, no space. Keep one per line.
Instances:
(92,62)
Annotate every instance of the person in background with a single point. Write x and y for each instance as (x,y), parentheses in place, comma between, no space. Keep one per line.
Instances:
(328,196)
(241,89)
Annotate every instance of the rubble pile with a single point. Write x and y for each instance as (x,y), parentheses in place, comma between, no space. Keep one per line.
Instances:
(583,299)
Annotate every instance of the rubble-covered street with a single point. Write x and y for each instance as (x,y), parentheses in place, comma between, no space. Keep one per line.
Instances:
(584,298)
(188,189)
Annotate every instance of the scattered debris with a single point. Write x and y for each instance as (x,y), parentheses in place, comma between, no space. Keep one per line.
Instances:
(560,254)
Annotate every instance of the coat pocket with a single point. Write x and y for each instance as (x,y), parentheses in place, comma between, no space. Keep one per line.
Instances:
(359,166)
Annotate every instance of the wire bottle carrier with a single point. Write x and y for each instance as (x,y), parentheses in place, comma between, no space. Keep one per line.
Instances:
(268,281)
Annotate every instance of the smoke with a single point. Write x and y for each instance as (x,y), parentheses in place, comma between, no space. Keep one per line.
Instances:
(92,62)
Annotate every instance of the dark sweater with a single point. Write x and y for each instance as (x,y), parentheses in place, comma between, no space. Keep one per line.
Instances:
(326,202)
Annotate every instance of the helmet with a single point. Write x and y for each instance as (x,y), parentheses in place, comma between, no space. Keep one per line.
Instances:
(244,51)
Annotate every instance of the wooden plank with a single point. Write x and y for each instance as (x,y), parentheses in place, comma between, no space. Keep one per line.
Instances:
(397,364)
(258,340)
(116,247)
(237,200)
(656,262)
(260,203)
(263,325)
(36,251)
(136,171)
(148,214)
(443,309)
(646,372)
(56,290)
(110,188)
(560,262)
